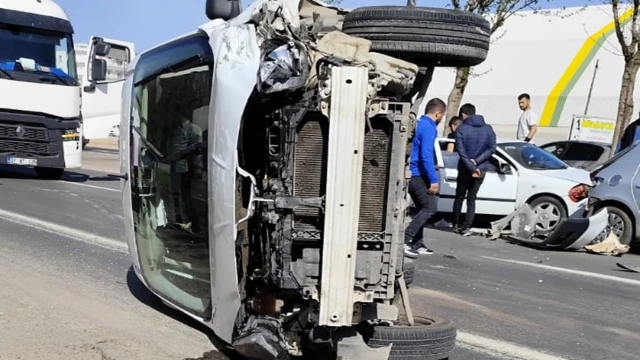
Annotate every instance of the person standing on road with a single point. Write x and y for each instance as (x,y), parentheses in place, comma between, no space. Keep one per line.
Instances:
(528,122)
(454,122)
(475,143)
(423,186)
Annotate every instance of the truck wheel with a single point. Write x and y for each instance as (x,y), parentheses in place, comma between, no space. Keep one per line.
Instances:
(422,35)
(409,268)
(431,338)
(49,173)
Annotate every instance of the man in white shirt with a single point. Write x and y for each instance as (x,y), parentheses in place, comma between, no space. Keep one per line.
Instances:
(528,123)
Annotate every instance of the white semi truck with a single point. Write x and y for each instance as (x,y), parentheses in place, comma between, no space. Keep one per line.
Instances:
(42,102)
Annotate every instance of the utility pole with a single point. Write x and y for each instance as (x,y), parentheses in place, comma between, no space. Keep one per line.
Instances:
(593,80)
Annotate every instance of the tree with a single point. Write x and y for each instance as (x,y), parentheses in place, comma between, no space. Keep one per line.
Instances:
(630,52)
(498,11)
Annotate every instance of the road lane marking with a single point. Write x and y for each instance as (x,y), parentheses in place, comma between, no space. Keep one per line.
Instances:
(568,271)
(75,234)
(92,186)
(500,349)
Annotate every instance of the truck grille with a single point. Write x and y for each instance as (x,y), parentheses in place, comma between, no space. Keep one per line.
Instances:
(26,147)
(311,166)
(26,139)
(30,133)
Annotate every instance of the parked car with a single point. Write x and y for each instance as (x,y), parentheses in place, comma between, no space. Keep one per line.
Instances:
(580,154)
(617,187)
(520,173)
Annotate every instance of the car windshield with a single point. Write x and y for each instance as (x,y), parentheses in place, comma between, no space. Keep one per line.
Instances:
(532,157)
(30,54)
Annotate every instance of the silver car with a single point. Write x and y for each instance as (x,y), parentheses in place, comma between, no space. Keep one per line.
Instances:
(618,189)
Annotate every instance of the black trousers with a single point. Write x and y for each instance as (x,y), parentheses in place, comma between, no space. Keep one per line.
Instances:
(466,187)
(427,205)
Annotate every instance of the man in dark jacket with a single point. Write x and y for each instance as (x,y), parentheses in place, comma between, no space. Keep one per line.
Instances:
(475,143)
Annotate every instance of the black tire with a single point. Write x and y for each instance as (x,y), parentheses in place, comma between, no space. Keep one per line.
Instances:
(49,173)
(627,223)
(562,211)
(422,35)
(409,269)
(431,338)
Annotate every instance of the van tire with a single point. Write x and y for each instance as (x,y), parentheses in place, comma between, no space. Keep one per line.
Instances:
(409,269)
(431,338)
(422,35)
(49,173)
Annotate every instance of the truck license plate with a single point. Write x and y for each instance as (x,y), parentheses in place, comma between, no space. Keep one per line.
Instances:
(22,161)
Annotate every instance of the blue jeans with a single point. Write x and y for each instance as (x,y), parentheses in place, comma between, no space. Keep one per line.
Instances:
(427,205)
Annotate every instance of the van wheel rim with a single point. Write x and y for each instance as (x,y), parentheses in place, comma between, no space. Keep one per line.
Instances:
(548,215)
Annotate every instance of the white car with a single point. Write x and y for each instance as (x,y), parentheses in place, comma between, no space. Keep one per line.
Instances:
(520,173)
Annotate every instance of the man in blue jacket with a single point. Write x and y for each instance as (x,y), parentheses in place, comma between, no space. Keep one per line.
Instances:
(475,143)
(423,186)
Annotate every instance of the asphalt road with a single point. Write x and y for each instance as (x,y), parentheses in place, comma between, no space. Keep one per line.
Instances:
(68,292)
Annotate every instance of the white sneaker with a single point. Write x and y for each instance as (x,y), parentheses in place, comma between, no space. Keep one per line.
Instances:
(423,250)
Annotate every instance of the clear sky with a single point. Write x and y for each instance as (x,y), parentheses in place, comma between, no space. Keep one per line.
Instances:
(149,22)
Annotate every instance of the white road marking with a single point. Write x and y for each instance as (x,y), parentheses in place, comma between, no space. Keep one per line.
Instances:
(500,349)
(568,271)
(92,186)
(75,234)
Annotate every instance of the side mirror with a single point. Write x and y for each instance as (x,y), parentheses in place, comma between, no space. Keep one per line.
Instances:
(505,169)
(101,48)
(223,9)
(98,70)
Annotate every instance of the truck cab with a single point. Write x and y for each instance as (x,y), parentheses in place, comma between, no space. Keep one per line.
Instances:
(40,102)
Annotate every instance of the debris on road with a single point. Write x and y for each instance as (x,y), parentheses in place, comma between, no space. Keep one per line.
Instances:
(450,256)
(629,268)
(610,246)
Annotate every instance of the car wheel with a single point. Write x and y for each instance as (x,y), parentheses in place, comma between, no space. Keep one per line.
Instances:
(620,224)
(550,212)
(49,173)
(422,35)
(430,338)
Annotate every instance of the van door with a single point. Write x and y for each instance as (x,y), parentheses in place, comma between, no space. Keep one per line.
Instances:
(101,100)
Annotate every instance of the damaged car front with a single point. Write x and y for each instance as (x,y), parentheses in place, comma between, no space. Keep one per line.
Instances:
(265,164)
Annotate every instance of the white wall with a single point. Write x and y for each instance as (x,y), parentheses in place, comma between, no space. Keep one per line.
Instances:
(530,54)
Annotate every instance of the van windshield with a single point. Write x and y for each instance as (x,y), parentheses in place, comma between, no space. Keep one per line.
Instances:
(30,54)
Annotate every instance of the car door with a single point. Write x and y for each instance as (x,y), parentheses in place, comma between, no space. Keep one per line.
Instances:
(497,195)
(101,100)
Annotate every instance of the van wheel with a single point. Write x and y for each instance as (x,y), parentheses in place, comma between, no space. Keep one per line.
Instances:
(550,212)
(431,338)
(409,269)
(49,173)
(421,35)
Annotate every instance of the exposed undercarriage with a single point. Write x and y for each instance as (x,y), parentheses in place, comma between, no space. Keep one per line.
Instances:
(321,198)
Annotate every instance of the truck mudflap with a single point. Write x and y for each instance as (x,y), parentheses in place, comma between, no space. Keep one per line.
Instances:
(570,234)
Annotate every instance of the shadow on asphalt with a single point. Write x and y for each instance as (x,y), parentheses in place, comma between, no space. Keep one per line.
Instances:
(142,294)
(15,172)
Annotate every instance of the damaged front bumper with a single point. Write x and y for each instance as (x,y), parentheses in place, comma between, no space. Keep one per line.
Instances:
(570,234)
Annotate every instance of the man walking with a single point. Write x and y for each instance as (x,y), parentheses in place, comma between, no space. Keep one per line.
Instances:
(423,186)
(475,143)
(528,122)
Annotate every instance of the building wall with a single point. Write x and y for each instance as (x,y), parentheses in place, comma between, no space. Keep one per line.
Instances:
(551,55)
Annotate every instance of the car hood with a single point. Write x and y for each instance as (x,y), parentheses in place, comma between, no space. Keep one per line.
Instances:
(570,174)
